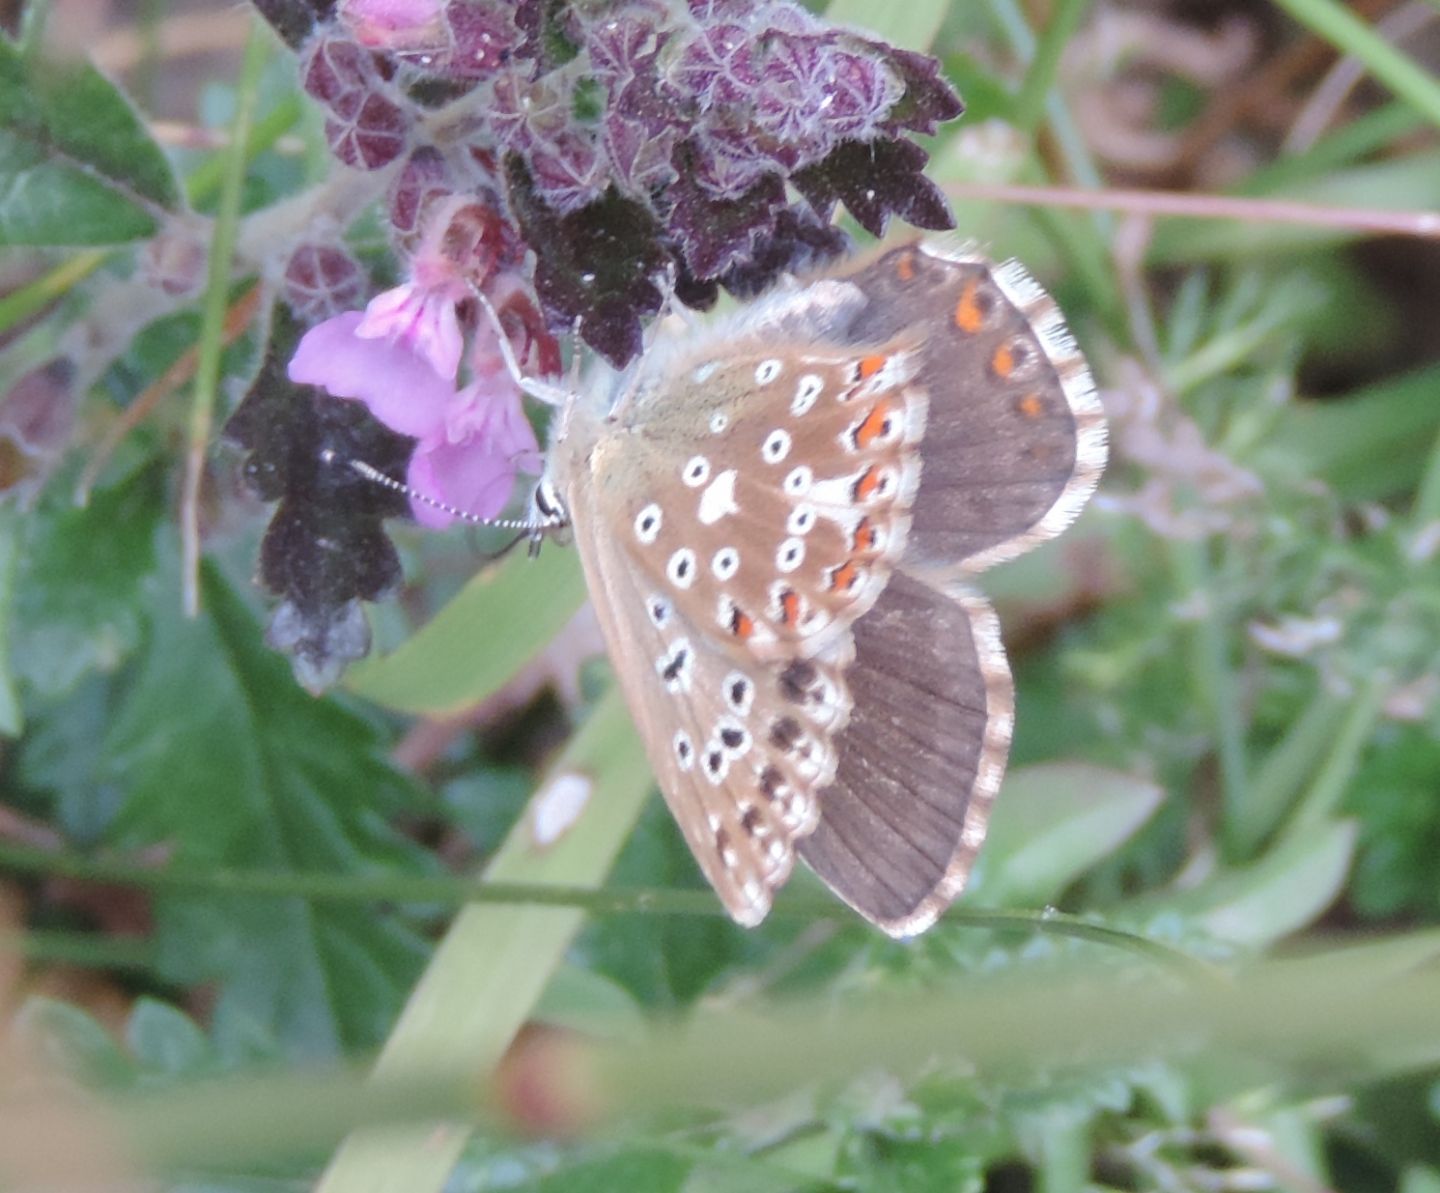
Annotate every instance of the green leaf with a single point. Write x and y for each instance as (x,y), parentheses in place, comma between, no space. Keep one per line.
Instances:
(498,622)
(76,163)
(591,1003)
(76,1043)
(638,1171)
(1258,904)
(1053,823)
(80,596)
(224,758)
(1340,440)
(167,1041)
(495,961)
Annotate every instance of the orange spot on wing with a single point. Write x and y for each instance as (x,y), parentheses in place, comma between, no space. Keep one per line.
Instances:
(865,536)
(1003,362)
(741,624)
(873,425)
(1031,406)
(870,365)
(905,267)
(867,484)
(789,606)
(845,576)
(969,315)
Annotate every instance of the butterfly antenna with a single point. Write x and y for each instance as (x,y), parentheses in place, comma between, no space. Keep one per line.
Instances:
(528,527)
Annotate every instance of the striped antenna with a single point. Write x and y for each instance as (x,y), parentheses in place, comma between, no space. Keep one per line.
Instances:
(374,475)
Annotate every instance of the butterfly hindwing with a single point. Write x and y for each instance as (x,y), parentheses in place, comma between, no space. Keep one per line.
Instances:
(739,752)
(920,758)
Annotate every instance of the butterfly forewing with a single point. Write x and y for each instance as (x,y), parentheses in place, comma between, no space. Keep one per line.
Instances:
(1015,442)
(767,496)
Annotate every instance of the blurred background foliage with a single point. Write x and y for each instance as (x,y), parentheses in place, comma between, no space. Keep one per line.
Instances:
(216,889)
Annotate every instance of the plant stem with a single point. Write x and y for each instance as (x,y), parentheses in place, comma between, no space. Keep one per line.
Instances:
(212,325)
(1045,64)
(1281,776)
(1322,801)
(597,900)
(33,297)
(1350,35)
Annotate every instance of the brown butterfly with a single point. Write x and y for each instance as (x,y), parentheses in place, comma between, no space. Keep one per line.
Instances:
(777,514)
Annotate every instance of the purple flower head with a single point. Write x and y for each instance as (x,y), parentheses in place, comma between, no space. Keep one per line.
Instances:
(365,127)
(322,280)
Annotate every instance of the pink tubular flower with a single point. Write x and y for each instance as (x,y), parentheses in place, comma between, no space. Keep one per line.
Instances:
(421,318)
(472,442)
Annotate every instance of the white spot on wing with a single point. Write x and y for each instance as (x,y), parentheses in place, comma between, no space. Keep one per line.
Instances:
(558,806)
(719,498)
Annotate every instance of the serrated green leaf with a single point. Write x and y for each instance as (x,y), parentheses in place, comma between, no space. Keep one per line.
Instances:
(221,756)
(77,165)
(499,621)
(80,593)
(1053,823)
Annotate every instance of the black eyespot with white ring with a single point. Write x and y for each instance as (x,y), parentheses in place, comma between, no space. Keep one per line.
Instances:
(791,555)
(684,750)
(647,523)
(718,422)
(776,446)
(739,693)
(676,666)
(659,610)
(801,520)
(766,371)
(681,568)
(696,471)
(734,737)
(799,480)
(726,563)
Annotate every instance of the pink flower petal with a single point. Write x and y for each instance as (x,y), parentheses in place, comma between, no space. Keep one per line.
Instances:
(401,389)
(463,475)
(421,319)
(476,472)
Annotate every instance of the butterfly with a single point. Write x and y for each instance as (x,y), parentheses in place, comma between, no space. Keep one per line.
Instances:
(777,513)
